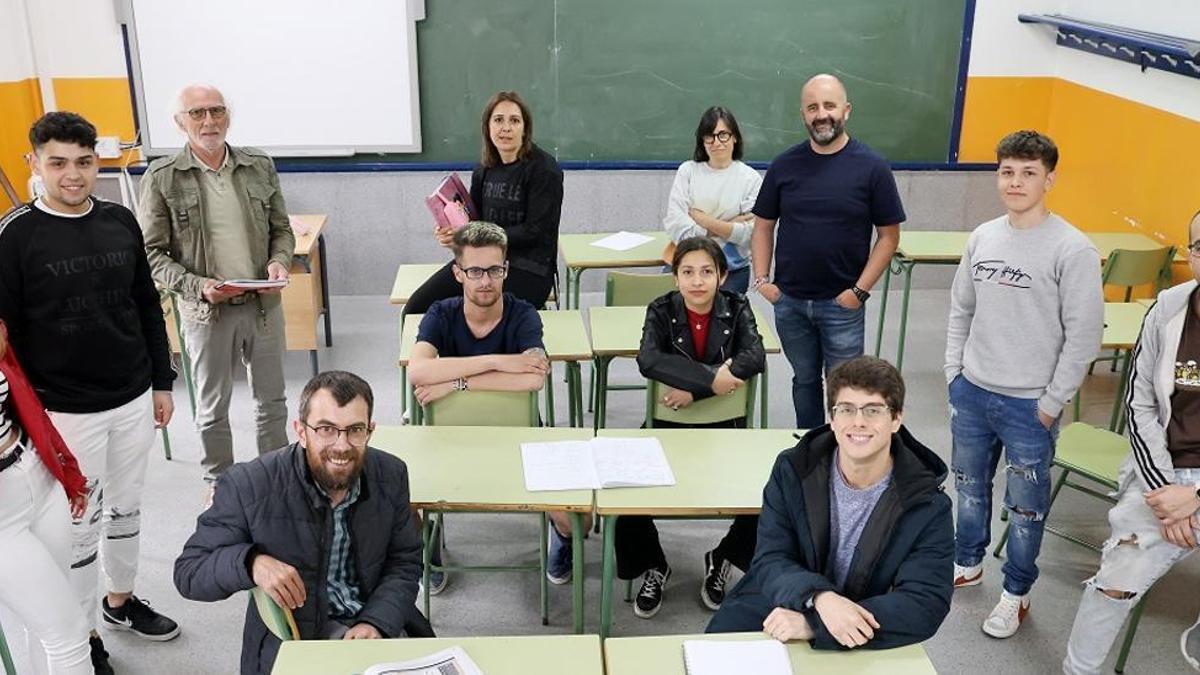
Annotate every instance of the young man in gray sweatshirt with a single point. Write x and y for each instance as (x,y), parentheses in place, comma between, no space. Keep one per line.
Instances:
(1026,318)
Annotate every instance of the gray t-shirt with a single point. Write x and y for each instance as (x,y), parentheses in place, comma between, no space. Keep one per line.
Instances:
(849,510)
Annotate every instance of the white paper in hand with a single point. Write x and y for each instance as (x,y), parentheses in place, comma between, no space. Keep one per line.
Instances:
(734,657)
(622,241)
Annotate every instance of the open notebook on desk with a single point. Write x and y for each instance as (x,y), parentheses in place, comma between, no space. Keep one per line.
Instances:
(594,464)
(732,657)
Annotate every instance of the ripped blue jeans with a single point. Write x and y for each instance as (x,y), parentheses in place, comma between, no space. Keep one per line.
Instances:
(982,423)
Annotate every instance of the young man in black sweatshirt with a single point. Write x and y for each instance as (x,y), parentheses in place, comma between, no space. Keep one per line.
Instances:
(83,312)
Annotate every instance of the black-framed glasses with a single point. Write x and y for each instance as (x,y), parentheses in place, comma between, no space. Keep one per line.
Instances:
(871,412)
(356,434)
(476,273)
(218,112)
(722,136)
(1194,248)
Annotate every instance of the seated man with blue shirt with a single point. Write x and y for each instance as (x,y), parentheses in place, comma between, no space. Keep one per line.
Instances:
(323,526)
(855,540)
(486,340)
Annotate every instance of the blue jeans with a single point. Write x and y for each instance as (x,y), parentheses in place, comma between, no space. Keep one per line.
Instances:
(738,281)
(981,423)
(816,335)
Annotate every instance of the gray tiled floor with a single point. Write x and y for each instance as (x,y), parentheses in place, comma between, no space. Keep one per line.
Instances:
(506,603)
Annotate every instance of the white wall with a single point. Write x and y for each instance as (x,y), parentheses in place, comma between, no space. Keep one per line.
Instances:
(16,61)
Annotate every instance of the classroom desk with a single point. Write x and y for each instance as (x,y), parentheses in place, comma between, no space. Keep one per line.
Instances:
(476,469)
(578,255)
(718,473)
(409,278)
(566,340)
(617,331)
(663,655)
(306,297)
(946,248)
(524,655)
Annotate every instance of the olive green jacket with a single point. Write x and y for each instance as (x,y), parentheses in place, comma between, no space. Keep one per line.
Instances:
(177,243)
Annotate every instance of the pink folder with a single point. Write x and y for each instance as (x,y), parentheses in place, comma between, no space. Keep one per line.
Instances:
(450,203)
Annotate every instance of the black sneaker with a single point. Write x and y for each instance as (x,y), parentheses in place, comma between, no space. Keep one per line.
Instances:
(716,575)
(136,617)
(100,657)
(649,598)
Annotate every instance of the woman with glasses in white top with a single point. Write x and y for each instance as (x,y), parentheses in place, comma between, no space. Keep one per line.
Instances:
(713,194)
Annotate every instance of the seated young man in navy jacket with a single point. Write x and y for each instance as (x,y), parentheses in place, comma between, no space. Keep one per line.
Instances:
(855,540)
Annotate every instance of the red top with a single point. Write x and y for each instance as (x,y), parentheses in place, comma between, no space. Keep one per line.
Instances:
(698,324)
(29,413)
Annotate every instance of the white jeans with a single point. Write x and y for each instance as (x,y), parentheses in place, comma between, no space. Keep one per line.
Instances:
(35,553)
(1132,560)
(112,448)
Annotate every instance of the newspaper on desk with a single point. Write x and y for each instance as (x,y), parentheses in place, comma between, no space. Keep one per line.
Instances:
(452,661)
(602,462)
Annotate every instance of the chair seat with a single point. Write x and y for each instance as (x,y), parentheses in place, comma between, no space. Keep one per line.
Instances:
(1091,451)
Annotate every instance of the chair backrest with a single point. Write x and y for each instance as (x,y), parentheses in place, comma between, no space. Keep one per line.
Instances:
(484,409)
(279,620)
(624,289)
(705,411)
(1127,267)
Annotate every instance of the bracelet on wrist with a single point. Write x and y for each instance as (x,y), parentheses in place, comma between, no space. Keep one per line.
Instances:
(860,293)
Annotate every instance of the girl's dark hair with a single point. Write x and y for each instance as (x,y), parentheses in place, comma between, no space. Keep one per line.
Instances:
(686,246)
(489,156)
(708,122)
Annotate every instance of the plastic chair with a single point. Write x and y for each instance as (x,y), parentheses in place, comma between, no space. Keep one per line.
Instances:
(624,289)
(480,408)
(484,409)
(279,620)
(5,656)
(1127,268)
(1095,454)
(705,411)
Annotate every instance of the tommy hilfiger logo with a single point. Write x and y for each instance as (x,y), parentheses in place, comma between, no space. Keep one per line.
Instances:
(996,272)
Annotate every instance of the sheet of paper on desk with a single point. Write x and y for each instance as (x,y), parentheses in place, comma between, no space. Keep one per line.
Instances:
(631,462)
(452,661)
(622,241)
(727,657)
(559,465)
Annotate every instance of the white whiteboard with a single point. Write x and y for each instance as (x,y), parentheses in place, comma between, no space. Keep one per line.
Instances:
(301,77)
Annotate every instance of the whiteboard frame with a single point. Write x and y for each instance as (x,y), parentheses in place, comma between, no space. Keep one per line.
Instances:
(416,12)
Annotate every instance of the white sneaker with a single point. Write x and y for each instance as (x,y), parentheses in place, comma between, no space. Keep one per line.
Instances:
(1189,644)
(1007,615)
(967,576)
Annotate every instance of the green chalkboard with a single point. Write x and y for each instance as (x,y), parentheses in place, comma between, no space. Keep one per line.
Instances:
(619,80)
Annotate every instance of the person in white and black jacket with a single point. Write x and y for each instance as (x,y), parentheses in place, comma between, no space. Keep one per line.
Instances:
(1155,522)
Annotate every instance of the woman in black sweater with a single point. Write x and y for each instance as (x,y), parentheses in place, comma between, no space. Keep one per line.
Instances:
(698,341)
(519,187)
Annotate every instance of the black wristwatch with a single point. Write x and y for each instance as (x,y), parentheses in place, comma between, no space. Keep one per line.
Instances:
(860,293)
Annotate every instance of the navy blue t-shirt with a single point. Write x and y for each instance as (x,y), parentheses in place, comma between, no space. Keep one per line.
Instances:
(827,207)
(445,327)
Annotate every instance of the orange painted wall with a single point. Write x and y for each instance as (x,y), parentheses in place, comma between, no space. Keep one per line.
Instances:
(1123,166)
(104,101)
(22,104)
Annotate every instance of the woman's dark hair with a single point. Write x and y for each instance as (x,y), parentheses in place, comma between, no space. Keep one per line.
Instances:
(489,156)
(64,127)
(872,375)
(708,122)
(686,246)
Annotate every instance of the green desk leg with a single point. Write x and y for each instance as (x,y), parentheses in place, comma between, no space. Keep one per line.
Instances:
(607,569)
(573,274)
(550,397)
(762,416)
(542,581)
(403,390)
(601,378)
(574,394)
(5,656)
(426,555)
(166,443)
(883,302)
(907,265)
(185,360)
(577,570)
(1117,422)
